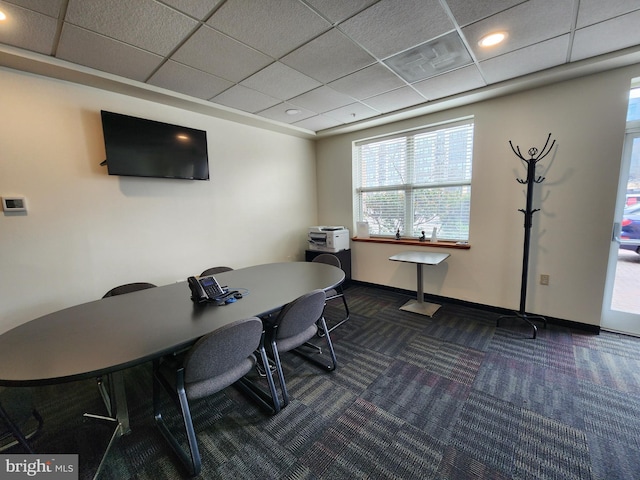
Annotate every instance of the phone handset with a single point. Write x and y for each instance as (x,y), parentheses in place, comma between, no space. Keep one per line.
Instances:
(204,289)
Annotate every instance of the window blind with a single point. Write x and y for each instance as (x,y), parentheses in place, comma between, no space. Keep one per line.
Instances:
(416,181)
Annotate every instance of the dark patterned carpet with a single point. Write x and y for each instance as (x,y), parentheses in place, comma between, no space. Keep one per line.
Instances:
(452,397)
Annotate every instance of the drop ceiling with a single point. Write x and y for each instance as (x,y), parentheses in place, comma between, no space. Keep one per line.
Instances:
(319,65)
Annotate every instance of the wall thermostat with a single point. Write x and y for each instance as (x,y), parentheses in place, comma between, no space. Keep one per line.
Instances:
(14,204)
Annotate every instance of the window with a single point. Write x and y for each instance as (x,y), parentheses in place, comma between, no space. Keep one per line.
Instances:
(416,181)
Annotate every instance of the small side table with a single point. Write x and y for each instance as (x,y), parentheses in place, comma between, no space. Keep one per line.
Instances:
(420,258)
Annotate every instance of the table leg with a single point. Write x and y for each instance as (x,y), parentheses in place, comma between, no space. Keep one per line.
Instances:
(120,398)
(420,286)
(419,305)
(116,403)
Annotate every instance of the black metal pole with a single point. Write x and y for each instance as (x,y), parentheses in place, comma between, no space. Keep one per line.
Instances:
(528,222)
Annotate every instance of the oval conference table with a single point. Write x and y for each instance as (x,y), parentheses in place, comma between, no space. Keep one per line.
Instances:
(106,336)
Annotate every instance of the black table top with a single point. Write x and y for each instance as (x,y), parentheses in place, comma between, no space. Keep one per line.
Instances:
(110,334)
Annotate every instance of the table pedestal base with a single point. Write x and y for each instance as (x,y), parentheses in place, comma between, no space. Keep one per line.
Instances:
(423,308)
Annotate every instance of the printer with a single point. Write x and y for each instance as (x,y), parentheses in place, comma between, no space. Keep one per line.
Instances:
(328,239)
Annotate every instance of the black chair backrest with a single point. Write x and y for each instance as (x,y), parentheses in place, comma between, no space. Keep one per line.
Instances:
(328,259)
(218,352)
(128,288)
(299,315)
(214,270)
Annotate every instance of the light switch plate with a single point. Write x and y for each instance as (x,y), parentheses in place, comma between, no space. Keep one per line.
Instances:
(14,204)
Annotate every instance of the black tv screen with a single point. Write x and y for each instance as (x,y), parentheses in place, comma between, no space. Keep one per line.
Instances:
(145,148)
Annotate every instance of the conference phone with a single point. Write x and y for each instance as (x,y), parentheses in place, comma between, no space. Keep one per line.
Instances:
(207,289)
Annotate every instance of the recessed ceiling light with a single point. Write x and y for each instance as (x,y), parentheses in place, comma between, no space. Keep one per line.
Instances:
(492,39)
(3,16)
(292,111)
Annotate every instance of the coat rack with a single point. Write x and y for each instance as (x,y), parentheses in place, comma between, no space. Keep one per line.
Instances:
(528,212)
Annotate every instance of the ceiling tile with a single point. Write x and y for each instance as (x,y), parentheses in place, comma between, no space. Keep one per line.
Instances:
(280,81)
(330,56)
(525,24)
(594,11)
(245,99)
(145,24)
(526,60)
(352,113)
(319,122)
(395,100)
(181,78)
(28,29)
(220,55)
(321,100)
(620,32)
(274,27)
(368,82)
(389,26)
(466,12)
(447,84)
(279,113)
(336,12)
(431,58)
(90,49)
(199,9)
(325,55)
(48,7)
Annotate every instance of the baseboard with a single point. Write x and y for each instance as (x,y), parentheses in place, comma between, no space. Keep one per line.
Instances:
(480,306)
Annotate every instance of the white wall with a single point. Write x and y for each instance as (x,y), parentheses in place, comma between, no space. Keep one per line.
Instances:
(86,232)
(570,235)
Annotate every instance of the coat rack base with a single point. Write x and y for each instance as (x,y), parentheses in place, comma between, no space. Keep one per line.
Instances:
(526,318)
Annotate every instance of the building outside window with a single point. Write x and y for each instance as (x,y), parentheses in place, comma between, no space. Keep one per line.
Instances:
(415,181)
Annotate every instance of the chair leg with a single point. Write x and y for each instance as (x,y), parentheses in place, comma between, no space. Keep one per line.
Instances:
(192,460)
(269,402)
(347,316)
(322,362)
(334,361)
(283,385)
(15,430)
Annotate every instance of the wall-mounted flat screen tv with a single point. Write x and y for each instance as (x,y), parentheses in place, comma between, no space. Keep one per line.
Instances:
(145,148)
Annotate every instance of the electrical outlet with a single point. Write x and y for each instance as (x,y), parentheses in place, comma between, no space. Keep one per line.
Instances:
(544,279)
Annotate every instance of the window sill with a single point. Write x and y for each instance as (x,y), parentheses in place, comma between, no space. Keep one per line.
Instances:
(415,243)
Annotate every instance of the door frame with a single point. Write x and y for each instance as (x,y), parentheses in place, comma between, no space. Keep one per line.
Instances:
(617,320)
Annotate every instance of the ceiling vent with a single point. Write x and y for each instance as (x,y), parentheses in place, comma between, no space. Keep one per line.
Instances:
(429,59)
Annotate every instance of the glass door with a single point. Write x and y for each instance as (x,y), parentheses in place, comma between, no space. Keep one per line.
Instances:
(621,310)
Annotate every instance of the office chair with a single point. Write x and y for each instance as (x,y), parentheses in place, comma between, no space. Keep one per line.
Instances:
(296,324)
(213,270)
(16,412)
(337,292)
(119,290)
(216,361)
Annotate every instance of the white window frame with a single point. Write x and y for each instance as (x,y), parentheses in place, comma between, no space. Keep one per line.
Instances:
(410,186)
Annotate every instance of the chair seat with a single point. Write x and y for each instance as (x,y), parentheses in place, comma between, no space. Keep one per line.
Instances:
(203,388)
(195,390)
(286,344)
(331,293)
